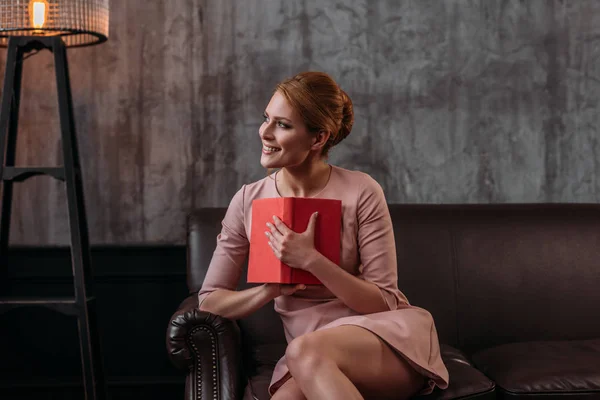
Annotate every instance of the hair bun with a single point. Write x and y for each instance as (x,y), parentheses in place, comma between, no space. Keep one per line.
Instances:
(347,118)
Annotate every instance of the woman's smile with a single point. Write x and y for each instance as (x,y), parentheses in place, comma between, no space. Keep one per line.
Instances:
(268,150)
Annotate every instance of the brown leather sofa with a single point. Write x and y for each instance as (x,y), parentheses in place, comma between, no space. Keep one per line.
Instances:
(514,290)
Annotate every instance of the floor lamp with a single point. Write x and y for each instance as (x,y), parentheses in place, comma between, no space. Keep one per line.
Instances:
(35,25)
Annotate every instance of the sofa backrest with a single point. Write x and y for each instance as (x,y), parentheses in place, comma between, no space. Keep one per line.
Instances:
(494,274)
(489,274)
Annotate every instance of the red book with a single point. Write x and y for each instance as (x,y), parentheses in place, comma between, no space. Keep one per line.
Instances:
(295,212)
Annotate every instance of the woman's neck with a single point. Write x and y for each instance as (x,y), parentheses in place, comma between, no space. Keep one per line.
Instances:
(305,181)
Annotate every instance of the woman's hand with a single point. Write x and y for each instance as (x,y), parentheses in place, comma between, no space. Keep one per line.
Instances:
(280,289)
(294,249)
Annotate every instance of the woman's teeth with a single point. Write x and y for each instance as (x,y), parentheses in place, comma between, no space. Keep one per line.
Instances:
(270,149)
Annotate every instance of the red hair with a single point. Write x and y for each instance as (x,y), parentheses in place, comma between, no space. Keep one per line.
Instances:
(321,103)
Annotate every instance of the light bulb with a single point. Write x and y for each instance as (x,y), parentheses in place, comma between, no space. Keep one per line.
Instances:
(38,11)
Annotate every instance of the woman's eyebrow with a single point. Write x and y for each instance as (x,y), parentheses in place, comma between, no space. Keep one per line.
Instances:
(279,118)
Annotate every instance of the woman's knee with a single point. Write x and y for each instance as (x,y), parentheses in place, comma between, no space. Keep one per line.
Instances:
(306,354)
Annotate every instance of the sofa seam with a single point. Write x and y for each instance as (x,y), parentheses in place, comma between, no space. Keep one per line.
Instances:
(455,262)
(490,390)
(198,364)
(538,393)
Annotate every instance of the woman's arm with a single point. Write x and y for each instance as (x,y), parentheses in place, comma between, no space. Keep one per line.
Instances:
(218,294)
(236,304)
(239,304)
(361,296)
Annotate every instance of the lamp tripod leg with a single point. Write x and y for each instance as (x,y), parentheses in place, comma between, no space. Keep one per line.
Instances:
(91,357)
(9,122)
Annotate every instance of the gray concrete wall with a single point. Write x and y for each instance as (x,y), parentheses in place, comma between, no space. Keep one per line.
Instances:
(456,101)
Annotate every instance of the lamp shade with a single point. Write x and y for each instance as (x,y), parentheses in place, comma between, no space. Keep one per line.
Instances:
(78,22)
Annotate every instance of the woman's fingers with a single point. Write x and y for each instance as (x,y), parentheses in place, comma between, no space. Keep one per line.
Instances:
(289,289)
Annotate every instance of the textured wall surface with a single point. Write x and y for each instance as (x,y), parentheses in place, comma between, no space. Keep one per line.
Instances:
(456,101)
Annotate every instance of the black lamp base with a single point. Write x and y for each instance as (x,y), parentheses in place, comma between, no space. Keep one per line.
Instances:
(83,305)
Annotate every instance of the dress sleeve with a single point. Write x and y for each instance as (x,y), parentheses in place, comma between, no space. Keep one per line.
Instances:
(376,243)
(226,264)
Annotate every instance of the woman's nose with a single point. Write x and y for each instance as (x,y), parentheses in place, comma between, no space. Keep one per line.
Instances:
(265,131)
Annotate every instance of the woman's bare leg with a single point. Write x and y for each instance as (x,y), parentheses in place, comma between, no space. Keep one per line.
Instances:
(349,362)
(289,391)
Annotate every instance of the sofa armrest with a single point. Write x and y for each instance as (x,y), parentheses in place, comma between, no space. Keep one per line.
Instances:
(209,347)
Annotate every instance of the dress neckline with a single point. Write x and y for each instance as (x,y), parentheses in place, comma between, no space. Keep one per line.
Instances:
(309,197)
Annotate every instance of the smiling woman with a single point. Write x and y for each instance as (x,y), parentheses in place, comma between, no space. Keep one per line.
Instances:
(298,131)
(318,104)
(356,335)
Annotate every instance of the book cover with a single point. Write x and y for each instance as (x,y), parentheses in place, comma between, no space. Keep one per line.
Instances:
(295,212)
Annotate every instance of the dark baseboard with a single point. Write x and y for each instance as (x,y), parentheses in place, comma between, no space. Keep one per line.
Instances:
(137,289)
(112,382)
(147,388)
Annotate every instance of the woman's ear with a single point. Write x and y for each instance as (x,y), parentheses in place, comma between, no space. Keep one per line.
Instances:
(320,140)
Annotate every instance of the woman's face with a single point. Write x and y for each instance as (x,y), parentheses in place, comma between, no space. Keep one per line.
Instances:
(286,141)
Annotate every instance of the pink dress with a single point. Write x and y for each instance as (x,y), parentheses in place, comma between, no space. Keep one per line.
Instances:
(368,251)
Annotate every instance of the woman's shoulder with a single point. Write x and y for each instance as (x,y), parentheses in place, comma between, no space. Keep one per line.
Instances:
(260,183)
(360,180)
(255,190)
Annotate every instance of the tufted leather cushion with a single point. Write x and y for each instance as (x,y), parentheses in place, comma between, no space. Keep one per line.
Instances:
(549,370)
(258,385)
(466,382)
(260,368)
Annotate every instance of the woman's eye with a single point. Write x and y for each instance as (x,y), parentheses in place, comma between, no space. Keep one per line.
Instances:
(279,123)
